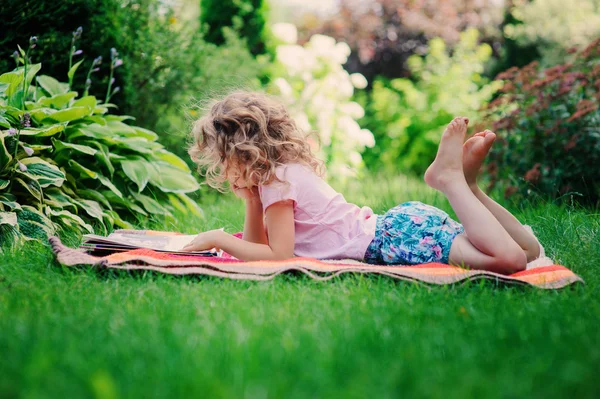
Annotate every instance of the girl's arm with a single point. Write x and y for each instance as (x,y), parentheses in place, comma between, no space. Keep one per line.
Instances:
(254,229)
(280,224)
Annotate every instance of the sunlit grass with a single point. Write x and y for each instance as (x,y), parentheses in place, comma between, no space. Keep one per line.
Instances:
(86,333)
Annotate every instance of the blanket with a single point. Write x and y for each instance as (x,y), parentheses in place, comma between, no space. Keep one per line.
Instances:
(542,273)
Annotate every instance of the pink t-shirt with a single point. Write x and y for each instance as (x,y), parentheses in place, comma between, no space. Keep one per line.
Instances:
(326,226)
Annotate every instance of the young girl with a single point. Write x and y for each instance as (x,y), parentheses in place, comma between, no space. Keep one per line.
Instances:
(249,141)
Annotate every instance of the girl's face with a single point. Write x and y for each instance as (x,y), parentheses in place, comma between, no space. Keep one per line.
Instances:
(234,176)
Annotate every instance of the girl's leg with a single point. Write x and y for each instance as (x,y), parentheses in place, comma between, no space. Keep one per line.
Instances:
(474,152)
(492,248)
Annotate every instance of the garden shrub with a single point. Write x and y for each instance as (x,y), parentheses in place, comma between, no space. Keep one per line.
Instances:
(65,161)
(553,28)
(548,125)
(246,17)
(408,116)
(312,82)
(160,55)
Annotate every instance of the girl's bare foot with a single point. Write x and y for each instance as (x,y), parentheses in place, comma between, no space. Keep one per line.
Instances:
(447,166)
(474,152)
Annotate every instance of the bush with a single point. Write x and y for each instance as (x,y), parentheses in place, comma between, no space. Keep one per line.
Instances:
(64,161)
(553,28)
(223,69)
(547,121)
(160,55)
(313,84)
(246,17)
(408,117)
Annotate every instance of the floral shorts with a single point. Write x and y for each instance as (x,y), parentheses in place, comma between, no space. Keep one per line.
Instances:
(412,233)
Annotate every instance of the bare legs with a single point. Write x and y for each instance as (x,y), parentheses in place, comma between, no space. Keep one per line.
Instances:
(474,152)
(486,244)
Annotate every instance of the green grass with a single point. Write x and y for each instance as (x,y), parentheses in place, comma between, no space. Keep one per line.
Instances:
(83,333)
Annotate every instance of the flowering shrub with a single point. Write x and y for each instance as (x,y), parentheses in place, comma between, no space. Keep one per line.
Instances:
(318,92)
(64,161)
(408,116)
(548,125)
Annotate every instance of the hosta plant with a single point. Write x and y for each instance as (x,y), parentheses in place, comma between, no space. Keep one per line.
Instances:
(66,162)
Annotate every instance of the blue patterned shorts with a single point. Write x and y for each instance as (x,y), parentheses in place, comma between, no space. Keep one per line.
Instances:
(412,233)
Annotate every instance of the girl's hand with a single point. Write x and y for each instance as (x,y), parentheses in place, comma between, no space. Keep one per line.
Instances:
(246,193)
(204,241)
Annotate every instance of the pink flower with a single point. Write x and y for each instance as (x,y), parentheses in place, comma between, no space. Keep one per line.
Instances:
(416,219)
(426,240)
(437,250)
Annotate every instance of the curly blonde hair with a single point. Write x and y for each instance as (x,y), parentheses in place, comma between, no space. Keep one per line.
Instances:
(247,135)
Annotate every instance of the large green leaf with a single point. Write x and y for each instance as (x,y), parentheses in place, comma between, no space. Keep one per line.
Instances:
(119,118)
(45,173)
(34,225)
(9,228)
(58,101)
(32,187)
(4,122)
(61,145)
(9,200)
(57,198)
(151,205)
(145,133)
(103,155)
(9,218)
(39,114)
(116,219)
(73,69)
(95,131)
(170,179)
(191,205)
(51,85)
(124,203)
(92,208)
(87,101)
(170,158)
(111,187)
(83,171)
(5,155)
(95,195)
(44,131)
(121,128)
(138,170)
(69,114)
(32,70)
(68,218)
(3,88)
(4,183)
(14,81)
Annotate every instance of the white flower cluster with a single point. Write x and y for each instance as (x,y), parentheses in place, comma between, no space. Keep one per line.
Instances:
(318,92)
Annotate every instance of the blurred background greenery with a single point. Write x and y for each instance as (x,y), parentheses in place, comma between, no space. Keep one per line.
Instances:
(377,80)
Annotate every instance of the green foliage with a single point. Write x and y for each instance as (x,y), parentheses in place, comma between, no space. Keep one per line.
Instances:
(245,16)
(64,161)
(548,122)
(408,117)
(552,28)
(223,68)
(167,65)
(160,56)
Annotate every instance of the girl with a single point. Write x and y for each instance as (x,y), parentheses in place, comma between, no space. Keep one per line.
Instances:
(249,141)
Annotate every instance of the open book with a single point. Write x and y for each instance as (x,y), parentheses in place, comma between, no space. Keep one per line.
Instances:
(127,240)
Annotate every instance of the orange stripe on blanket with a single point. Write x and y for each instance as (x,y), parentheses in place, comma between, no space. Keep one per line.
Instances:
(539,270)
(546,277)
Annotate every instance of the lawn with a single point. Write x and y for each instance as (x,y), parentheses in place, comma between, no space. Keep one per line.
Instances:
(82,333)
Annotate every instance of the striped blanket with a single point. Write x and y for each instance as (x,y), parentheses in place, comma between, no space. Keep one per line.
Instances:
(541,274)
